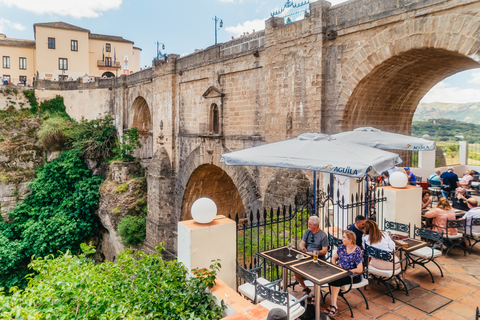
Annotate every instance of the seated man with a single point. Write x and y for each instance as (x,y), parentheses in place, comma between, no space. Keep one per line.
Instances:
(460,200)
(449,182)
(474,212)
(435,179)
(412,180)
(357,228)
(313,239)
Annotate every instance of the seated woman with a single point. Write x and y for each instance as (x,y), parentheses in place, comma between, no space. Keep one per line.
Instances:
(349,256)
(376,238)
(467,177)
(440,214)
(426,200)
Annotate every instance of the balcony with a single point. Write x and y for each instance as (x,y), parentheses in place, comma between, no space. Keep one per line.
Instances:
(105,64)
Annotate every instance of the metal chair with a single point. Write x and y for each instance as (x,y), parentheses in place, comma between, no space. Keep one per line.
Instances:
(335,242)
(455,240)
(477,314)
(425,255)
(418,180)
(250,278)
(472,235)
(383,276)
(396,226)
(279,299)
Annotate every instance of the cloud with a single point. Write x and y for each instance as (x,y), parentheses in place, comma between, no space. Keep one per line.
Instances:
(475,77)
(74,8)
(247,26)
(7,24)
(443,92)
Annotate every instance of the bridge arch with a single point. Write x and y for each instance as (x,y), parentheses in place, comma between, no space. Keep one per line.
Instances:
(140,118)
(384,81)
(231,187)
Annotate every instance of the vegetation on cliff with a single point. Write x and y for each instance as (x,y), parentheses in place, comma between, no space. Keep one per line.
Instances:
(138,286)
(446,129)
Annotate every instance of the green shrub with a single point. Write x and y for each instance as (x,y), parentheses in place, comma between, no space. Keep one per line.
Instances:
(132,229)
(54,133)
(58,215)
(117,209)
(130,142)
(30,95)
(138,286)
(54,107)
(121,188)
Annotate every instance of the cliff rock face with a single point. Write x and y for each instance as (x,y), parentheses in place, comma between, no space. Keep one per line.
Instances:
(124,192)
(20,155)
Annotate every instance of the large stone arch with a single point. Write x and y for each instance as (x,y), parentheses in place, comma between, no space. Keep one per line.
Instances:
(384,79)
(193,174)
(140,117)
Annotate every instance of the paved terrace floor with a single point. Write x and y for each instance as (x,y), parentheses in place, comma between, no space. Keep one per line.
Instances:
(455,296)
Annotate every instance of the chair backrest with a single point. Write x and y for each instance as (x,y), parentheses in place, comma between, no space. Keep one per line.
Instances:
(275,296)
(384,255)
(474,222)
(455,224)
(418,179)
(427,234)
(334,241)
(246,275)
(397,226)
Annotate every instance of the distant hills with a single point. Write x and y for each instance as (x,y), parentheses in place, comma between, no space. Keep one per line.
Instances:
(464,112)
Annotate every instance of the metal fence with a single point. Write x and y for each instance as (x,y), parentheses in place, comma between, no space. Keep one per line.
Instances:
(274,228)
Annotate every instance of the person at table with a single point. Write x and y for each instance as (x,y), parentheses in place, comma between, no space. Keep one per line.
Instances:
(384,179)
(465,180)
(378,239)
(434,179)
(449,182)
(426,200)
(412,180)
(440,214)
(313,239)
(349,256)
(357,228)
(474,212)
(460,200)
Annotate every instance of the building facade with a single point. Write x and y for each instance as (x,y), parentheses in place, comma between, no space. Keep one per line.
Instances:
(62,51)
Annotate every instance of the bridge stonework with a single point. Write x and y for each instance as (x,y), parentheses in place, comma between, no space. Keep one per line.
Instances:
(360,63)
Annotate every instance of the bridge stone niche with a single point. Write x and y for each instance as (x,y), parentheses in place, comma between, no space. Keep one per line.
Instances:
(140,118)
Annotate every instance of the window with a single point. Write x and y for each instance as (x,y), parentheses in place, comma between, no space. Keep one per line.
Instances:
(23,63)
(74,45)
(215,120)
(62,64)
(108,61)
(6,62)
(51,43)
(108,47)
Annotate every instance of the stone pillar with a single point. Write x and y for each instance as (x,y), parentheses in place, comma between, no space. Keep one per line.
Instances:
(426,160)
(403,205)
(462,152)
(199,244)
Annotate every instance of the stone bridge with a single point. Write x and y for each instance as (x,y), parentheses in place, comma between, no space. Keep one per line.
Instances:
(364,62)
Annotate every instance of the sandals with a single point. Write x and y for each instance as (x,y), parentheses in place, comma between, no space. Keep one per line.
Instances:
(331,311)
(307,290)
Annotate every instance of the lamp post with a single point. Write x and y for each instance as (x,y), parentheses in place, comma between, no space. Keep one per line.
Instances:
(158,50)
(221,25)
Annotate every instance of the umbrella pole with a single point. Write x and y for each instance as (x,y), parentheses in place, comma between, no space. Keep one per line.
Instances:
(366,197)
(314,192)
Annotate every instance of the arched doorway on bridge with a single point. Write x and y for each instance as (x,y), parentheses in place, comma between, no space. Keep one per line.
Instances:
(108,74)
(141,119)
(212,182)
(388,96)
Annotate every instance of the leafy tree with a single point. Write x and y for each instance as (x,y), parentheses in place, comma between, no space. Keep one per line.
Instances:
(139,286)
(58,215)
(54,133)
(126,148)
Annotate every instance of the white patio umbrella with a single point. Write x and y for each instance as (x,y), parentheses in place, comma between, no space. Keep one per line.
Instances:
(379,139)
(317,152)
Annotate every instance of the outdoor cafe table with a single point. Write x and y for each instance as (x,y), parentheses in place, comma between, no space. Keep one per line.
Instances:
(318,273)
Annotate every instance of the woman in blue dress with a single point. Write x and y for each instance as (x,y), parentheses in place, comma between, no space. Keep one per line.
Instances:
(349,256)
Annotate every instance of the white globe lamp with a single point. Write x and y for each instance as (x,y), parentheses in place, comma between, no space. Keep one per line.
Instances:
(204,210)
(398,179)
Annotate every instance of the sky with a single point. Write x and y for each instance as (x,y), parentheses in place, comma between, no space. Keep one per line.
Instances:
(182,26)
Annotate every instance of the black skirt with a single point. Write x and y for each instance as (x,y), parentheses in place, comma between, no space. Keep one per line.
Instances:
(345,280)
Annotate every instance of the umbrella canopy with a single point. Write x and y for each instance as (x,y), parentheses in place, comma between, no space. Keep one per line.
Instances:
(317,152)
(379,139)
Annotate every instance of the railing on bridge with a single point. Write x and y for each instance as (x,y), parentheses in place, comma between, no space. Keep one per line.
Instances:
(291,11)
(272,228)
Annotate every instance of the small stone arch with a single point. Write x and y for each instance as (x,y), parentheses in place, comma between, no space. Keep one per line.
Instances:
(108,74)
(284,186)
(384,81)
(140,118)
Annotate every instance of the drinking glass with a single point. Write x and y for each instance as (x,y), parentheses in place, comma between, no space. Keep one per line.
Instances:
(315,256)
(289,247)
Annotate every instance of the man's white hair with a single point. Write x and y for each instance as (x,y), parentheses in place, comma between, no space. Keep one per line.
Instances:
(315,220)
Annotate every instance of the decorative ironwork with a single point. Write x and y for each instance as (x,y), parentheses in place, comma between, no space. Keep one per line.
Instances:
(334,241)
(289,4)
(379,254)
(397,226)
(272,295)
(247,275)
(455,224)
(428,234)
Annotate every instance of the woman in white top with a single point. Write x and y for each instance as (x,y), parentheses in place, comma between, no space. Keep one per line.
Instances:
(374,237)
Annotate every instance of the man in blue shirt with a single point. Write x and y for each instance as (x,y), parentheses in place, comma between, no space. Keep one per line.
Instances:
(411,177)
(357,228)
(449,182)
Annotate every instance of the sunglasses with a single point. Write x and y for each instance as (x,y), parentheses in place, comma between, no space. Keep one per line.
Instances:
(312,239)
